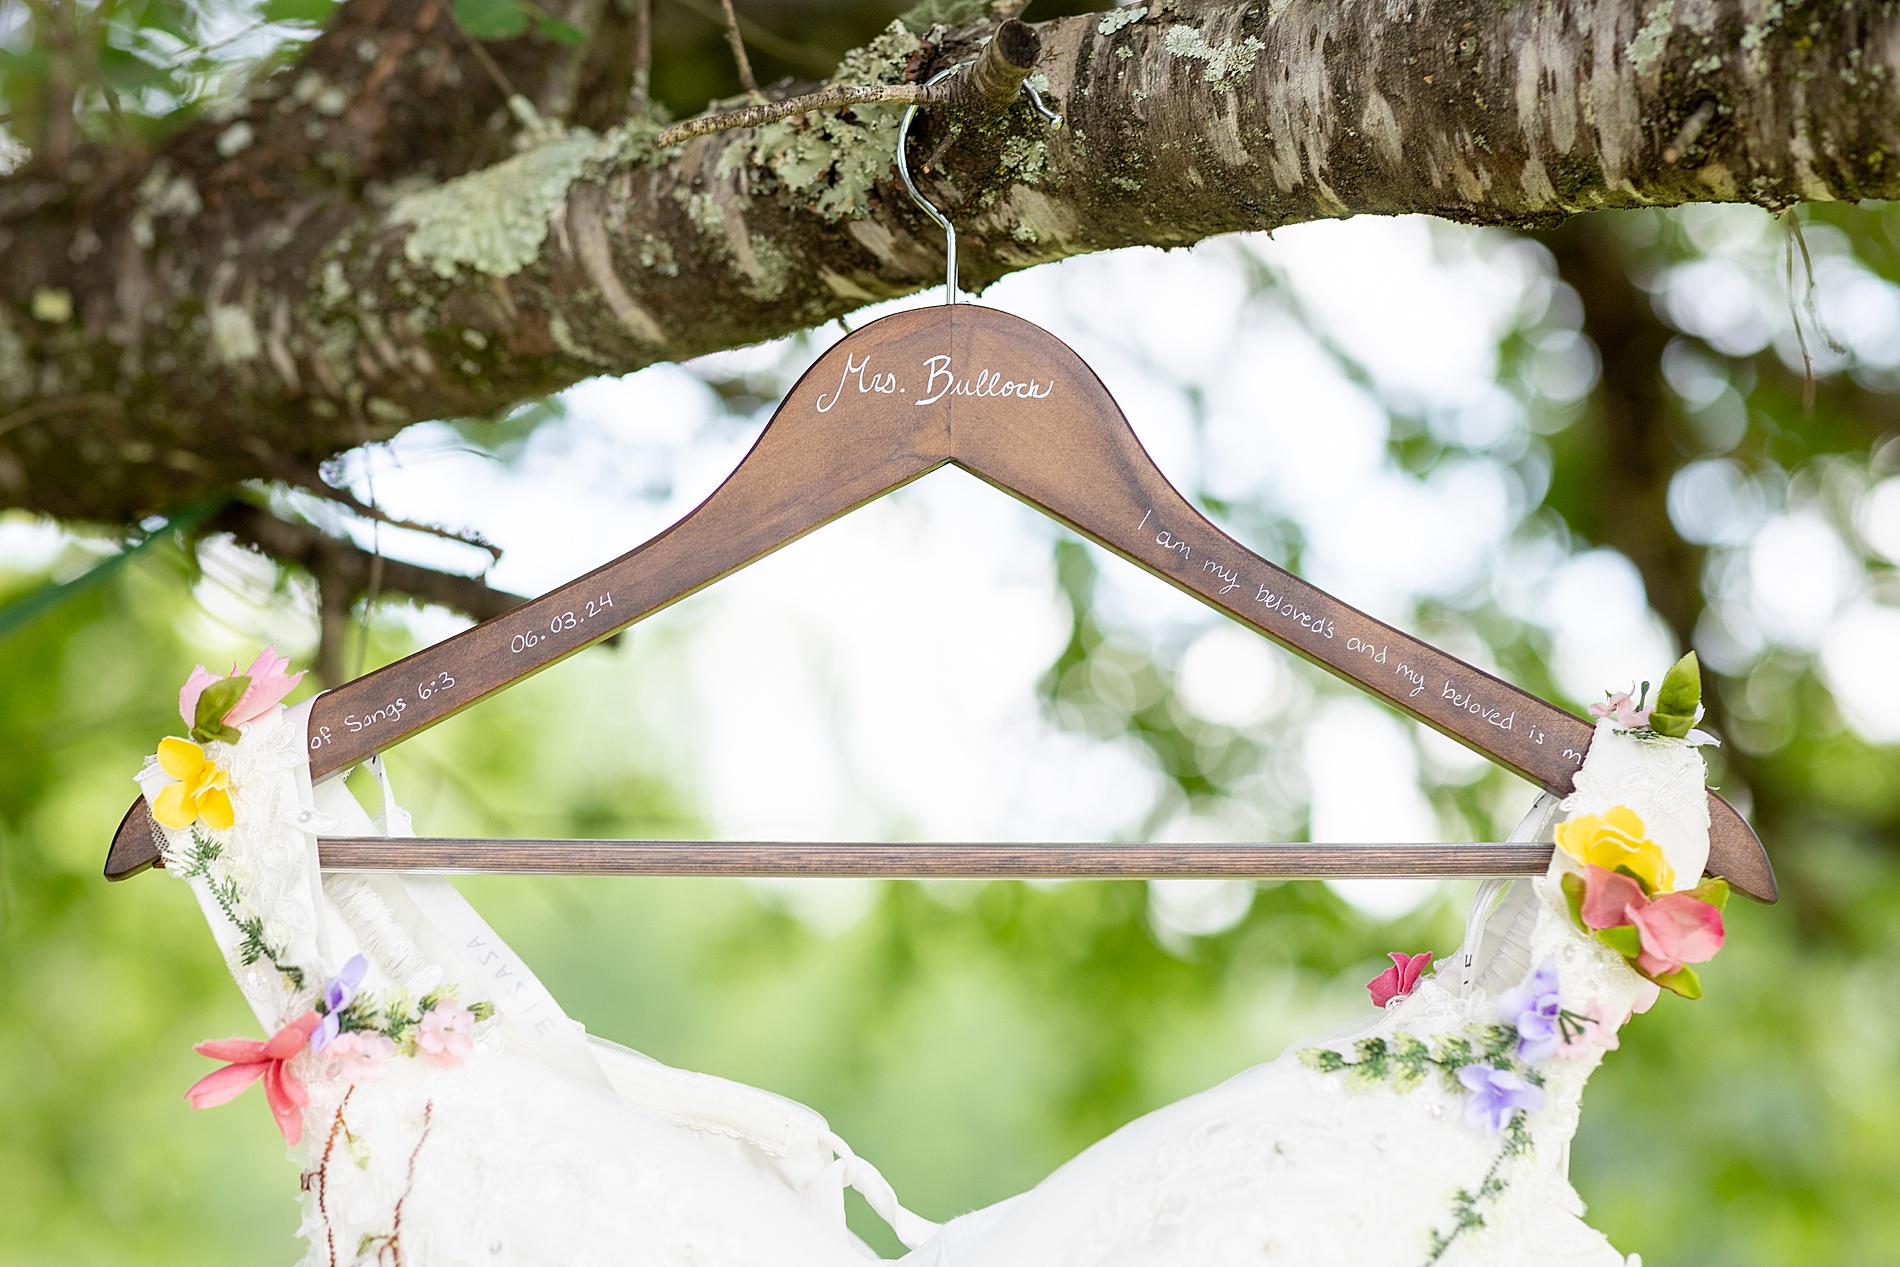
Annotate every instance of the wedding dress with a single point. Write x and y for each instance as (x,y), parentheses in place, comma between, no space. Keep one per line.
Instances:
(444,1111)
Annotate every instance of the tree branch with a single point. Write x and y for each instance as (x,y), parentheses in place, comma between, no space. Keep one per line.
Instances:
(345,574)
(243,307)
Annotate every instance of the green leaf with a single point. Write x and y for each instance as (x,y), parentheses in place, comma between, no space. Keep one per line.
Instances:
(491,19)
(1573,894)
(560,32)
(1678,698)
(1714,891)
(1623,939)
(297,10)
(1683,982)
(218,699)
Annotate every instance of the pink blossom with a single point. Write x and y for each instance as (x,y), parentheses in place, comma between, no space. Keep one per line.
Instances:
(1676,929)
(200,678)
(1597,1031)
(1607,898)
(251,1060)
(269,685)
(443,1034)
(1623,708)
(357,1056)
(1399,980)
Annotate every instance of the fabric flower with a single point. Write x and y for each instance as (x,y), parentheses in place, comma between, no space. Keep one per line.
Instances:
(358,1056)
(1615,839)
(1623,708)
(269,685)
(1676,930)
(1661,937)
(251,1060)
(202,790)
(1608,897)
(1495,1094)
(1399,980)
(443,1034)
(214,706)
(1535,1008)
(336,996)
(1597,1032)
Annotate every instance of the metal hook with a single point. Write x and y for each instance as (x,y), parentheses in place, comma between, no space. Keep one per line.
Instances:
(943,221)
(929,208)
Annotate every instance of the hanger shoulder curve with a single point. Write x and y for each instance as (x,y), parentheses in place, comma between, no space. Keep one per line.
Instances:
(1095,477)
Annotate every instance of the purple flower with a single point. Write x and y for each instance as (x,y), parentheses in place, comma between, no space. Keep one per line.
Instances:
(1495,1095)
(337,993)
(1534,1007)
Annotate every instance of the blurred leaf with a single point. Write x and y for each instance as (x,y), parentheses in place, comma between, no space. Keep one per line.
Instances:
(298,10)
(559,31)
(491,19)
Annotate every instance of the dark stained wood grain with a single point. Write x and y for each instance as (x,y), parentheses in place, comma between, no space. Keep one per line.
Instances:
(1013,405)
(966,860)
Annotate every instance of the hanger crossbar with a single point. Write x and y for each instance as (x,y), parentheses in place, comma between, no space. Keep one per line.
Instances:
(962,860)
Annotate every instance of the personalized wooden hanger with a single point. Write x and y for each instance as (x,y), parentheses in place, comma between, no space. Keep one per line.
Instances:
(1008,402)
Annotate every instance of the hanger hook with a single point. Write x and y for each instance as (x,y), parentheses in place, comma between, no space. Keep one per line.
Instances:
(929,208)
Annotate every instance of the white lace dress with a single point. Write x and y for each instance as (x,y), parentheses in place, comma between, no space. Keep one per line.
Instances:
(515,1139)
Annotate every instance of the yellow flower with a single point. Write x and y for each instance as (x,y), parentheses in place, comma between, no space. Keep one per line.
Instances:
(1617,839)
(200,791)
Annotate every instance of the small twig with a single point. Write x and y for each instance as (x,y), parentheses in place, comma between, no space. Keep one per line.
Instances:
(737,43)
(639,93)
(488,63)
(1794,312)
(815,60)
(823,99)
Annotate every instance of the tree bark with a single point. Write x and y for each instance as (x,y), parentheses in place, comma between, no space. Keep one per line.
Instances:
(354,246)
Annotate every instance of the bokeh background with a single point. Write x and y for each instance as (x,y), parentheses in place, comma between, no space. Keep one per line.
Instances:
(1565,456)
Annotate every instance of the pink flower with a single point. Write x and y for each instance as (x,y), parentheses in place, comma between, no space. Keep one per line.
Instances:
(1596,1033)
(268,685)
(193,688)
(1676,930)
(251,1060)
(357,1056)
(443,1034)
(1623,708)
(1607,897)
(1397,981)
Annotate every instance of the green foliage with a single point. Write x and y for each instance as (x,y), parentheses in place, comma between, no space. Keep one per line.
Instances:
(1679,699)
(491,19)
(214,702)
(317,11)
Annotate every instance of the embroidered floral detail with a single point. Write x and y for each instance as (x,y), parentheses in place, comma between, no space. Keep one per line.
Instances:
(1535,1009)
(201,792)
(252,1060)
(1400,979)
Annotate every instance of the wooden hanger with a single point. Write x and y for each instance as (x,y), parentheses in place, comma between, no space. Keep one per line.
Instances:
(1007,401)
